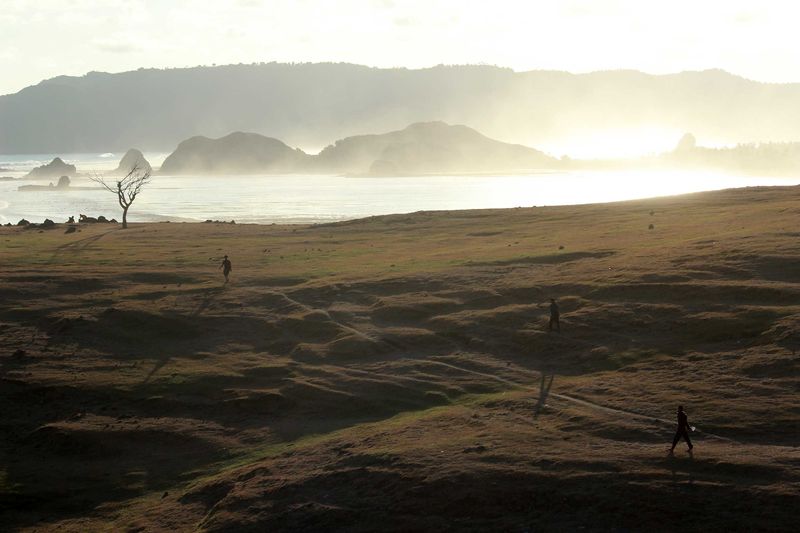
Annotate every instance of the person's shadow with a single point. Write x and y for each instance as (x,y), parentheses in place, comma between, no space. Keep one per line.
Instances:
(209,296)
(674,466)
(544,390)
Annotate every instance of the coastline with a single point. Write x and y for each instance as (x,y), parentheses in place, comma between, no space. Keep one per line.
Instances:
(320,200)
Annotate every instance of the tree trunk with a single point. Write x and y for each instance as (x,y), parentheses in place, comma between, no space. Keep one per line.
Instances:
(124,218)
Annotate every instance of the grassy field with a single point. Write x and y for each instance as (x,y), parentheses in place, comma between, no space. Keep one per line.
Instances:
(396,373)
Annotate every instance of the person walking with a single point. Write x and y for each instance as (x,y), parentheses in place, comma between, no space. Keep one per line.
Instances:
(226,267)
(683,430)
(554,316)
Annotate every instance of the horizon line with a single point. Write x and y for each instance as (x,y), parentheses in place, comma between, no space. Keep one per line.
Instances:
(431,67)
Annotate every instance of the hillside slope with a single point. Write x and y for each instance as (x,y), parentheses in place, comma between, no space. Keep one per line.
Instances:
(310,105)
(396,373)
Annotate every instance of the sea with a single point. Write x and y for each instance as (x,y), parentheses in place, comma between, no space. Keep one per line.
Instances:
(300,199)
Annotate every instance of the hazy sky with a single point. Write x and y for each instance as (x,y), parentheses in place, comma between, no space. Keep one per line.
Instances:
(44,38)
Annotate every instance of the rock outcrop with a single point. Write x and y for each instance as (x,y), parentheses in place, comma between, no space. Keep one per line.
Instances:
(237,153)
(429,148)
(133,158)
(53,169)
(63,185)
(422,148)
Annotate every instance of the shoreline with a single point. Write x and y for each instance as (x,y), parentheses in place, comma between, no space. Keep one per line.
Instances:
(166,219)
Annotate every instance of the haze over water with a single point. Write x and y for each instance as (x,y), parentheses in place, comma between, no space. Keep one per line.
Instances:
(314,199)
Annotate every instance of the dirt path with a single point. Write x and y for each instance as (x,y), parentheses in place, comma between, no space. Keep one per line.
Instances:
(565,397)
(579,401)
(325,312)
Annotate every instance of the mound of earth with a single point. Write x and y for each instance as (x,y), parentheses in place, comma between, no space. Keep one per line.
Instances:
(396,373)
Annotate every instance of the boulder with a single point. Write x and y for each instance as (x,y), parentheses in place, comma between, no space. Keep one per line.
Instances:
(63,182)
(23,222)
(47,224)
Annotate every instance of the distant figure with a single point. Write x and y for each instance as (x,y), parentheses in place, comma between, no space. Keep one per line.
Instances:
(226,267)
(683,430)
(554,316)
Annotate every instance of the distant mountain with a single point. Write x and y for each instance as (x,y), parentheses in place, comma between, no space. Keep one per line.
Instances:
(237,153)
(746,158)
(422,148)
(133,158)
(54,169)
(309,105)
(428,147)
(750,159)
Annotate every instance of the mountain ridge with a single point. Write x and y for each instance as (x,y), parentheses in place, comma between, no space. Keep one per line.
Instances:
(718,71)
(310,104)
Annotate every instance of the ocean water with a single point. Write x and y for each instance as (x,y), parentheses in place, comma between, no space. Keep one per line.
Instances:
(308,199)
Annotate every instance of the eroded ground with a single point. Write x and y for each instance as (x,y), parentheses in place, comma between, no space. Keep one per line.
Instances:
(395,373)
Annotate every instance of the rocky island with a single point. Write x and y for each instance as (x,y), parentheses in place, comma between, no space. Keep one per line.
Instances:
(133,158)
(237,153)
(421,148)
(428,148)
(55,168)
(63,184)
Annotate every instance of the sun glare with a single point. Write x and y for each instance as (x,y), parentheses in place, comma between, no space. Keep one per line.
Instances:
(614,143)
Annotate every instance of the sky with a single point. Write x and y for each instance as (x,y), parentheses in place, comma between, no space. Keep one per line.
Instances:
(41,39)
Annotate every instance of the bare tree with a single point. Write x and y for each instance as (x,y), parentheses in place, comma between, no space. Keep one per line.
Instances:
(126,189)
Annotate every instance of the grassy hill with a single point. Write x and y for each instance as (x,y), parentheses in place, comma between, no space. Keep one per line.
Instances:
(392,373)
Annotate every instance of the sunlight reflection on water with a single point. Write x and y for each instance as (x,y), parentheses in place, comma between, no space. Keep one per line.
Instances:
(306,199)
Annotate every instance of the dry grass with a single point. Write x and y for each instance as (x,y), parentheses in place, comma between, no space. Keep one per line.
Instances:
(384,373)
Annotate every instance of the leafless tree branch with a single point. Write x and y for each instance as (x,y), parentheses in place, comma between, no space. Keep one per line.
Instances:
(126,189)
